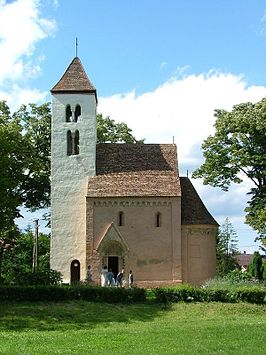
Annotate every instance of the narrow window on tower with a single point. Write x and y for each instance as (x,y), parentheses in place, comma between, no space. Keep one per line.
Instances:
(76,143)
(77,113)
(158,219)
(68,113)
(121,219)
(69,143)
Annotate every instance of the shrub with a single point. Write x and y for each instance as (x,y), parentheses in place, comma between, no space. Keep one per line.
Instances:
(185,293)
(256,266)
(215,294)
(61,293)
(48,277)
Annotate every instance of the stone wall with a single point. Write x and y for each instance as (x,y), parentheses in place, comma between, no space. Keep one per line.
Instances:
(69,181)
(198,253)
(154,253)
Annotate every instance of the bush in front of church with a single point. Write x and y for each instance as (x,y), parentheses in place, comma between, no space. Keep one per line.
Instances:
(67,292)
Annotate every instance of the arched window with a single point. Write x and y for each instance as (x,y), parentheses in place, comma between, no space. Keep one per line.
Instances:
(121,219)
(69,143)
(76,143)
(158,219)
(77,112)
(68,113)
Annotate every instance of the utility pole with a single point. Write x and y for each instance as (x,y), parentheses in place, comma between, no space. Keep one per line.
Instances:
(35,246)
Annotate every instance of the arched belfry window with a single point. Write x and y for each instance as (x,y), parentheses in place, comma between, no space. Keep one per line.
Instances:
(69,143)
(121,219)
(158,221)
(68,113)
(77,112)
(76,142)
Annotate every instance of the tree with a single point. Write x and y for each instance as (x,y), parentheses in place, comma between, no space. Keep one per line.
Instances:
(256,267)
(25,166)
(226,248)
(110,131)
(17,266)
(238,149)
(36,123)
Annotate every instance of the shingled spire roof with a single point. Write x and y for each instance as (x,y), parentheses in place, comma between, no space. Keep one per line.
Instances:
(74,80)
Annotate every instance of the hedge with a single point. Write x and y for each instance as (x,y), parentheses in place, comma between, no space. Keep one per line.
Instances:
(62,293)
(186,293)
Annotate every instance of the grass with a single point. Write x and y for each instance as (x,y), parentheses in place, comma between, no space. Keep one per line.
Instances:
(79,327)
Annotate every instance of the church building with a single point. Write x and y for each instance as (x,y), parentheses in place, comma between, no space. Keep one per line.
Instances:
(118,205)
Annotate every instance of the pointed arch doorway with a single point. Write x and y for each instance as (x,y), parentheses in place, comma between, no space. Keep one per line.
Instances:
(113,250)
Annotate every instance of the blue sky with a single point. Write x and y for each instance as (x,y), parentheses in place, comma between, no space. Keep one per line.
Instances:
(160,66)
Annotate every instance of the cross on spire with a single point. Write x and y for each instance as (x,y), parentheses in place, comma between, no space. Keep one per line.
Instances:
(76,47)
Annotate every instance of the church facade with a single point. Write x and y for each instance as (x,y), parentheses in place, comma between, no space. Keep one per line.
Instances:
(123,206)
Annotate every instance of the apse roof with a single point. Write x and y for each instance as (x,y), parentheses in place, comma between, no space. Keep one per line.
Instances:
(193,210)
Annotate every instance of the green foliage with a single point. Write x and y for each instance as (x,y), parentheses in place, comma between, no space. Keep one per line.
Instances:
(36,123)
(110,131)
(62,293)
(17,262)
(211,294)
(226,249)
(182,293)
(234,279)
(238,148)
(25,166)
(256,267)
(237,276)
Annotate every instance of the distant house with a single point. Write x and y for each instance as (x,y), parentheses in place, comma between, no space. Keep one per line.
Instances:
(123,206)
(244,260)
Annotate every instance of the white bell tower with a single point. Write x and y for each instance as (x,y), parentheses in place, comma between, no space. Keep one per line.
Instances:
(73,150)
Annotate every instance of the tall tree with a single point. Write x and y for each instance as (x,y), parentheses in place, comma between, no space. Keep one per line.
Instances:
(256,266)
(238,149)
(110,131)
(226,248)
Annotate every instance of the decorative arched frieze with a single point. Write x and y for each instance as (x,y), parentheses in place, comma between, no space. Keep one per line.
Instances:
(130,203)
(198,231)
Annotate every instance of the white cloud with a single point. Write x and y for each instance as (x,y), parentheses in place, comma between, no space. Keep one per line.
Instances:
(184,108)
(21,28)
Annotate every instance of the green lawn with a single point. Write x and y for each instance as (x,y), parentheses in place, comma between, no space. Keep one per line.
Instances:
(92,328)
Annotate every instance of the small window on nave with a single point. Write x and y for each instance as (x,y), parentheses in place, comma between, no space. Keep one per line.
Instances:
(158,221)
(68,113)
(121,219)
(77,113)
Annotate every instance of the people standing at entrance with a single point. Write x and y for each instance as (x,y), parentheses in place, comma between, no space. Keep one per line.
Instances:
(130,279)
(104,277)
(110,278)
(89,276)
(119,278)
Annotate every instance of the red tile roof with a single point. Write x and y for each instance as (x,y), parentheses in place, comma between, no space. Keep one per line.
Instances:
(74,80)
(193,210)
(135,170)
